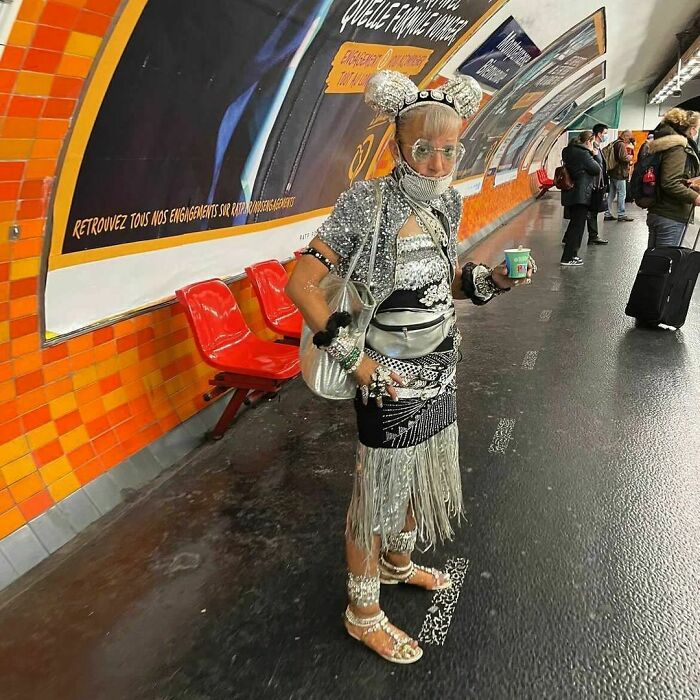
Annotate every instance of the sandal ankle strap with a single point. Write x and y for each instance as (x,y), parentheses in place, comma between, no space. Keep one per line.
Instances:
(358,621)
(406,570)
(401,642)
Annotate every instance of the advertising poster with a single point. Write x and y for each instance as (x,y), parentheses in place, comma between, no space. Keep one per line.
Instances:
(239,122)
(572,112)
(192,135)
(496,62)
(566,56)
(518,141)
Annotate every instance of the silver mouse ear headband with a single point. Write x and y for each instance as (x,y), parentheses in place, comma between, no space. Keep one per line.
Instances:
(391,93)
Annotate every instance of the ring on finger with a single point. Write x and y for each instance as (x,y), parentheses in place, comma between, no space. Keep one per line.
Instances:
(381,374)
(364,390)
(377,389)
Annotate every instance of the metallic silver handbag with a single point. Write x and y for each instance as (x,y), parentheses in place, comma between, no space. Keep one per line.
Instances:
(323,375)
(407,333)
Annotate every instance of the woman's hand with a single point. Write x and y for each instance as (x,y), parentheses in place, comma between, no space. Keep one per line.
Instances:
(502,281)
(363,375)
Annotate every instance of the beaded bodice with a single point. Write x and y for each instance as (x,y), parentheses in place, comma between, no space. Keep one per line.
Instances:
(422,275)
(354,216)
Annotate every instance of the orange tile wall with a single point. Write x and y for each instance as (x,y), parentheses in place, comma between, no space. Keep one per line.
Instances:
(494,202)
(72,411)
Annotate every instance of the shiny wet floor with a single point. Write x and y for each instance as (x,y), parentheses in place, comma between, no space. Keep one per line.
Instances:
(579,566)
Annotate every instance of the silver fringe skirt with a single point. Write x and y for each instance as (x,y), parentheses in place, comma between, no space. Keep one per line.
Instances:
(408,454)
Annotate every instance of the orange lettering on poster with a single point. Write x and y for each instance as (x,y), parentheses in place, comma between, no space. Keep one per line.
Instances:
(355,63)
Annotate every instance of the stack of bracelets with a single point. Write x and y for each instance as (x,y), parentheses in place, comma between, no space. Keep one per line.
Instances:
(335,337)
(336,340)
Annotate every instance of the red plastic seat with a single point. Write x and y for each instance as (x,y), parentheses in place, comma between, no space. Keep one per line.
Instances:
(251,366)
(544,181)
(269,278)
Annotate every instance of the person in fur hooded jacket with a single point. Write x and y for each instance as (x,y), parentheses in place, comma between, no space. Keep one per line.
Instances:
(676,196)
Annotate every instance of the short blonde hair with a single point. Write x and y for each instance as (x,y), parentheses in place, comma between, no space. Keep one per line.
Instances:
(438,119)
(682,119)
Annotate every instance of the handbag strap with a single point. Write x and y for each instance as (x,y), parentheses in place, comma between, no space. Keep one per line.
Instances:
(428,218)
(361,247)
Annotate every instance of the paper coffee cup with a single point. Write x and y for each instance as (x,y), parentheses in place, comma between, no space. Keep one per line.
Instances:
(516,262)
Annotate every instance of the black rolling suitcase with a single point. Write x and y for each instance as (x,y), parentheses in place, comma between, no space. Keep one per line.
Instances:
(664,285)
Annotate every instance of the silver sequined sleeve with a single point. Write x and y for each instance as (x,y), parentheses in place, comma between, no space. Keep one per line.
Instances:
(346,225)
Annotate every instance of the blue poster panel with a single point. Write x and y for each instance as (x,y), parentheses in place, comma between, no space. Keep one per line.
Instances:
(567,55)
(501,56)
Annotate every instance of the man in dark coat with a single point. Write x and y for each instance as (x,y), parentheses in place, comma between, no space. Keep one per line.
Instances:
(644,148)
(600,132)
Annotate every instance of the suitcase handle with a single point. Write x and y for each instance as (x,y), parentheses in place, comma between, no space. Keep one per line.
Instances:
(687,225)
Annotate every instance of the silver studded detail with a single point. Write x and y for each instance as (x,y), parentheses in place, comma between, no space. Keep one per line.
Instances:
(363,591)
(402,541)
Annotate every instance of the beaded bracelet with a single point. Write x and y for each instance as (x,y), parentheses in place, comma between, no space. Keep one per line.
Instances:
(340,348)
(357,363)
(352,361)
(319,256)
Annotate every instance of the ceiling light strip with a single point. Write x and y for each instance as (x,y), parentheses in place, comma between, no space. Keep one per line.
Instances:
(691,68)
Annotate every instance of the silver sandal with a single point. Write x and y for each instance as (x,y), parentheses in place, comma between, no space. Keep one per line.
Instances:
(403,652)
(391,575)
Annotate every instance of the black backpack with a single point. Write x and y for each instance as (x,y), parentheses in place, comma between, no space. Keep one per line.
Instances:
(645,180)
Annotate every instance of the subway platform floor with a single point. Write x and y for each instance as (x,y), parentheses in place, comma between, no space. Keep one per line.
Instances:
(577,571)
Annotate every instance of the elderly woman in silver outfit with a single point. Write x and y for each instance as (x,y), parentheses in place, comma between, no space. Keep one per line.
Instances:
(407,480)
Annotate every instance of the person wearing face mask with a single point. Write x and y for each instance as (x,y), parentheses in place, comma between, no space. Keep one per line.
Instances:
(619,173)
(600,136)
(578,157)
(407,482)
(675,139)
(644,148)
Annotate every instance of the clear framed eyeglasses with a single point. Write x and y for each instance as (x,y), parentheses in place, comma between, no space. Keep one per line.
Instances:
(422,150)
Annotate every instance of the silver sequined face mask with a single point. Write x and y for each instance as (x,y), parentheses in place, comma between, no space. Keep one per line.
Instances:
(421,187)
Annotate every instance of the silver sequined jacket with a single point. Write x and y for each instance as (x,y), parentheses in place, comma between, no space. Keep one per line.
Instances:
(355,214)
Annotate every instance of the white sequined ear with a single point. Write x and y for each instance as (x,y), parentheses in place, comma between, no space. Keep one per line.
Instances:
(387,90)
(465,92)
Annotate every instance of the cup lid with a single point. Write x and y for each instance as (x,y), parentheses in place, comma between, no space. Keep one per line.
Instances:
(517,250)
